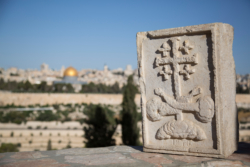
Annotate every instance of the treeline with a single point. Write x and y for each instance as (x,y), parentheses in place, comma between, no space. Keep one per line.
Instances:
(101,88)
(28,87)
(19,117)
(240,90)
(43,87)
(15,117)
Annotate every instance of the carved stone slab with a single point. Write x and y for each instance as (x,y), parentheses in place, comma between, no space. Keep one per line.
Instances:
(187,82)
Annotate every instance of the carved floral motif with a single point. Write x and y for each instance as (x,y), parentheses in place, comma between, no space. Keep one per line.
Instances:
(180,130)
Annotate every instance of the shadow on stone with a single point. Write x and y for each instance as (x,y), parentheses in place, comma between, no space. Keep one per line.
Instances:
(139,148)
(243,148)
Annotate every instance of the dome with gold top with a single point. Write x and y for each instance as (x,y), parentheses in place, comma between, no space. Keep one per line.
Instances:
(70,76)
(70,71)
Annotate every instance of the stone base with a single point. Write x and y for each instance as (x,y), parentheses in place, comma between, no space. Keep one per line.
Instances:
(178,152)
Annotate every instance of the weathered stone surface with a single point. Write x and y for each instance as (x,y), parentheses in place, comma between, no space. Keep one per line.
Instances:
(189,159)
(243,157)
(6,160)
(156,159)
(28,155)
(225,164)
(35,163)
(187,82)
(118,156)
(79,151)
(127,149)
(100,159)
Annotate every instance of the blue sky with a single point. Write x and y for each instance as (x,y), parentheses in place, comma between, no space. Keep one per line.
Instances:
(89,33)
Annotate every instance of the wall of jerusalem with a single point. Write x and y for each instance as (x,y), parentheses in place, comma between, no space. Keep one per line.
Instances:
(242,100)
(25,99)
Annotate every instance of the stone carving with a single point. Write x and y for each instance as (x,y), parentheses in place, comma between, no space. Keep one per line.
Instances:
(165,72)
(203,107)
(187,83)
(180,130)
(165,49)
(187,71)
(186,47)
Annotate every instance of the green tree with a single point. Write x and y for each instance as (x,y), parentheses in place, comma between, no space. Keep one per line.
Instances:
(47,115)
(101,126)
(2,84)
(115,88)
(69,88)
(240,90)
(49,145)
(42,86)
(14,117)
(68,146)
(91,87)
(8,147)
(129,115)
(27,86)
(11,85)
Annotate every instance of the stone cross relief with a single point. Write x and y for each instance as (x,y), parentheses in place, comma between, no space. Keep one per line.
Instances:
(157,107)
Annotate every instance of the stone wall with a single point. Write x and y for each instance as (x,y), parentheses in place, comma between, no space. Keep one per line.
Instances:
(34,135)
(242,98)
(65,98)
(58,98)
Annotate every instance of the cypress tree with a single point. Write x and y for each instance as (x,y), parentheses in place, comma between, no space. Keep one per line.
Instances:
(101,126)
(49,146)
(129,114)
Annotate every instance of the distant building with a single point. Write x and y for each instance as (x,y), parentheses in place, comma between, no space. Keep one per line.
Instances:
(128,71)
(44,67)
(70,76)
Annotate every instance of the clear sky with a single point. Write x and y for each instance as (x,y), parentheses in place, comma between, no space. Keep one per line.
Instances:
(89,33)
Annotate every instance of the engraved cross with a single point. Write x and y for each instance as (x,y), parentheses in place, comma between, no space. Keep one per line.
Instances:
(175,61)
(165,72)
(165,49)
(187,71)
(186,47)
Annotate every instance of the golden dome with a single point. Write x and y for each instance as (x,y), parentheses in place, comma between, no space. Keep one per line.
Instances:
(70,71)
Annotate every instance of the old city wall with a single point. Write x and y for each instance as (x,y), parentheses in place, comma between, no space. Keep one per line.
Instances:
(58,98)
(243,100)
(25,99)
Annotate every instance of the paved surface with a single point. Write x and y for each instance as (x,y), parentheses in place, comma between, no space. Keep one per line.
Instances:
(119,156)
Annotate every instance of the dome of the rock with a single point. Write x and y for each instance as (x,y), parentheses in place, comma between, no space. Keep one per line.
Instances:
(70,71)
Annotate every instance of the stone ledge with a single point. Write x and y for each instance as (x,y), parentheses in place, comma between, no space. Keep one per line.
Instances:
(118,156)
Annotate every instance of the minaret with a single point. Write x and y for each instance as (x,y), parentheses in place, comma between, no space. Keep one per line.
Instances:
(105,69)
(62,71)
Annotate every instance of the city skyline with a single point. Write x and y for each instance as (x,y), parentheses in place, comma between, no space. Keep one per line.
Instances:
(63,66)
(88,35)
